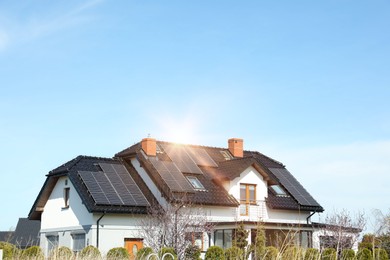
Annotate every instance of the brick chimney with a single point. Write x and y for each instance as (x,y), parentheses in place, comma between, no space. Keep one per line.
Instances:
(149,146)
(236,147)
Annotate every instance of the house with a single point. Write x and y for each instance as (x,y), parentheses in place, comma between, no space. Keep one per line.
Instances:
(100,201)
(26,234)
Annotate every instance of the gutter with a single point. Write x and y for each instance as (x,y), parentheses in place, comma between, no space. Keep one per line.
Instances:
(307,219)
(97,229)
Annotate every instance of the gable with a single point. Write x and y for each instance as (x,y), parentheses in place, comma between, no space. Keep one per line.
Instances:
(87,190)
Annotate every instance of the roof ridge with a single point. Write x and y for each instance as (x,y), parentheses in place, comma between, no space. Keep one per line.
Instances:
(71,163)
(192,145)
(272,159)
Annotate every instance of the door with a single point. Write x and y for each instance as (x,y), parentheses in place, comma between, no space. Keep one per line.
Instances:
(132,246)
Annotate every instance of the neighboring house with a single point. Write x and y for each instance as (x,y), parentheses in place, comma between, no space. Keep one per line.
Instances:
(26,234)
(100,201)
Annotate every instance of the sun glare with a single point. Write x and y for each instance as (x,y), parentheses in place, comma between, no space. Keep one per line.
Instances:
(183,132)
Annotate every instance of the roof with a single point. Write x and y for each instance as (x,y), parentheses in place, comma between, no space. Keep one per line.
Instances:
(26,233)
(75,170)
(6,236)
(220,166)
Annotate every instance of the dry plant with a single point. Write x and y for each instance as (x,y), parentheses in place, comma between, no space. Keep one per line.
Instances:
(342,230)
(169,226)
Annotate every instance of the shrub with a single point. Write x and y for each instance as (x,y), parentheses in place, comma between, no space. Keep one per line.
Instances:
(118,253)
(240,236)
(62,252)
(367,245)
(348,254)
(329,254)
(143,253)
(166,250)
(214,253)
(233,253)
(33,252)
(380,254)
(293,253)
(364,254)
(312,254)
(9,250)
(271,253)
(90,252)
(192,252)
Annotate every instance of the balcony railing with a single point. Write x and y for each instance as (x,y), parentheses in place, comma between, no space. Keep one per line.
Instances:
(252,212)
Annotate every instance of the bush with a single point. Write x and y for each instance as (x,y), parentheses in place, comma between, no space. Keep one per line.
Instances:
(348,254)
(214,253)
(62,252)
(329,254)
(380,254)
(312,254)
(364,254)
(271,253)
(234,253)
(367,245)
(143,253)
(166,250)
(118,253)
(293,253)
(192,253)
(90,252)
(9,250)
(33,252)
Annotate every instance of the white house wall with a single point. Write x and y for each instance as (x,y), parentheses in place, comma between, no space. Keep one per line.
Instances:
(56,216)
(249,176)
(287,216)
(113,230)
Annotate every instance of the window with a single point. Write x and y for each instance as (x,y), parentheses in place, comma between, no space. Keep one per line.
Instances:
(78,242)
(52,243)
(223,238)
(247,197)
(195,182)
(66,197)
(278,190)
(226,155)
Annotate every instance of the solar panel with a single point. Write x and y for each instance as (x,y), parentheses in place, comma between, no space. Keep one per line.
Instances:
(294,187)
(172,176)
(200,156)
(180,157)
(113,186)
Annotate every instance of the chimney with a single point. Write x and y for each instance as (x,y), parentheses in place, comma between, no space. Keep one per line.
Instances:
(149,146)
(236,147)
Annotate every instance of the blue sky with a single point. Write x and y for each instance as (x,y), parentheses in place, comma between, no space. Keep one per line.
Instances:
(305,82)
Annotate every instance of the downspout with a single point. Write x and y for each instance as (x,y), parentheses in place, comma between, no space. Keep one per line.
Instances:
(97,229)
(307,219)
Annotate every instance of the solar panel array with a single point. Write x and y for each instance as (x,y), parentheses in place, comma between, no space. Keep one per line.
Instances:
(200,156)
(187,159)
(294,187)
(113,186)
(172,176)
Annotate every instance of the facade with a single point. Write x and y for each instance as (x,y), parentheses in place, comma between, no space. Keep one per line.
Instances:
(100,201)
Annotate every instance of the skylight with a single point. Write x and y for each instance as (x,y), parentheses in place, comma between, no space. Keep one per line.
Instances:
(195,182)
(278,190)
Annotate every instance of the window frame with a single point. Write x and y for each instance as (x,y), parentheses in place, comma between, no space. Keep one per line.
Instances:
(198,186)
(66,197)
(247,201)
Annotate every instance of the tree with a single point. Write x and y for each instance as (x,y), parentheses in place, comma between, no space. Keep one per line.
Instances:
(240,236)
(172,225)
(342,230)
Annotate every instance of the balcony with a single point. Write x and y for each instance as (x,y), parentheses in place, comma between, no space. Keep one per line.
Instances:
(252,212)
